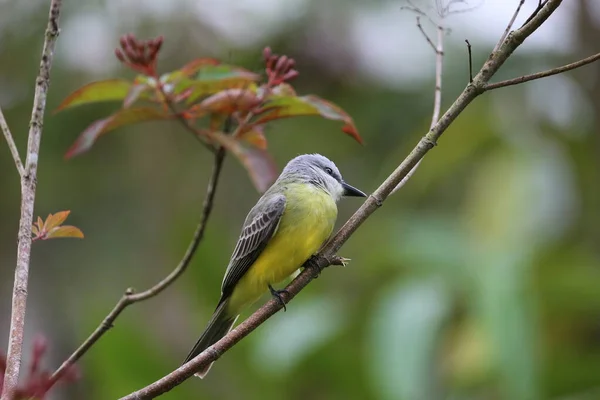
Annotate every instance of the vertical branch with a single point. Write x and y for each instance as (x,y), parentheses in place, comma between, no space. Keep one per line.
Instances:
(437,97)
(28,186)
(509,26)
(11,144)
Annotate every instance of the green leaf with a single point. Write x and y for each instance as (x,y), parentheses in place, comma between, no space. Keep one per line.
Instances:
(64,232)
(278,107)
(55,220)
(212,79)
(108,90)
(258,162)
(122,117)
(142,88)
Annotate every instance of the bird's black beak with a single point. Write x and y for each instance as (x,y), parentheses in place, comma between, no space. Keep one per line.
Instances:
(352,191)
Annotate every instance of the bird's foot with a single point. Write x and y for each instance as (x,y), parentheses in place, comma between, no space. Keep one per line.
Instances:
(313,262)
(277,294)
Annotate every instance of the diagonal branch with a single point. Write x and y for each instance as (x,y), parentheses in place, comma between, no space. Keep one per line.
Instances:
(543,74)
(373,202)
(11,143)
(130,297)
(28,186)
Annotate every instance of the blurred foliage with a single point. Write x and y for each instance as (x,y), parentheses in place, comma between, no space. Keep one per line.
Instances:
(478,280)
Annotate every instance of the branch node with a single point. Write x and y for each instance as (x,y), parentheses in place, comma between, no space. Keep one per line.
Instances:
(428,142)
(129,291)
(378,201)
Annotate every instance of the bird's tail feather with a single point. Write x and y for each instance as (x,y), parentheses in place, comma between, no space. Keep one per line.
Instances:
(219,325)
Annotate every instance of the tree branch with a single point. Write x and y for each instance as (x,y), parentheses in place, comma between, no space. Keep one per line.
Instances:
(373,202)
(509,26)
(437,96)
(543,74)
(28,186)
(11,144)
(130,297)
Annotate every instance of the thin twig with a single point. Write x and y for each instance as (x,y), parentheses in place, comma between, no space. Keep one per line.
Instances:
(130,297)
(543,74)
(470,61)
(28,186)
(11,144)
(509,26)
(372,203)
(437,96)
(433,46)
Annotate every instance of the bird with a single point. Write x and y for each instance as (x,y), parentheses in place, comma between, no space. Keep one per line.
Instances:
(289,224)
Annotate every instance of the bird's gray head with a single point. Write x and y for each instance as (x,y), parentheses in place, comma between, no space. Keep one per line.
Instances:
(318,170)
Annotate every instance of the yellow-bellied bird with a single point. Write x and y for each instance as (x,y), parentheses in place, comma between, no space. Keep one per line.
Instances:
(288,224)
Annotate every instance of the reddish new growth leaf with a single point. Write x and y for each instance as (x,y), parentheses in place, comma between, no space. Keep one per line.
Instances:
(279,69)
(53,228)
(139,55)
(38,382)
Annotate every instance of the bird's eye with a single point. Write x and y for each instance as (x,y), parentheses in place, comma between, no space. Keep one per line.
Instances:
(328,170)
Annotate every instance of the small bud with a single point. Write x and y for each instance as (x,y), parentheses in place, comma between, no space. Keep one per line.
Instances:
(267,53)
(119,55)
(123,41)
(290,64)
(40,345)
(291,74)
(271,62)
(281,63)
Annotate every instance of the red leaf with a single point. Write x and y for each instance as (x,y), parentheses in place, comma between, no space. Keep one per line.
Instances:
(225,102)
(108,90)
(278,107)
(255,137)
(122,117)
(55,220)
(258,163)
(63,232)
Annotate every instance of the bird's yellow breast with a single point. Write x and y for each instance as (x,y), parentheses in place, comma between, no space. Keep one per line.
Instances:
(306,223)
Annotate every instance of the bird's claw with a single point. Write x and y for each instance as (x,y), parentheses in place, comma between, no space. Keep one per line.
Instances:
(277,294)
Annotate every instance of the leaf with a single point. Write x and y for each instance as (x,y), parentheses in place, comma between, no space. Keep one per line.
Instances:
(225,102)
(258,162)
(122,117)
(212,79)
(256,138)
(55,220)
(40,223)
(64,232)
(195,65)
(140,89)
(107,90)
(278,107)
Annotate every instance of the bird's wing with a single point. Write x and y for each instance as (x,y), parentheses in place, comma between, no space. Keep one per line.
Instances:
(259,228)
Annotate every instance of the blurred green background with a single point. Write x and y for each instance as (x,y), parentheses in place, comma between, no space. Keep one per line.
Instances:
(480,279)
